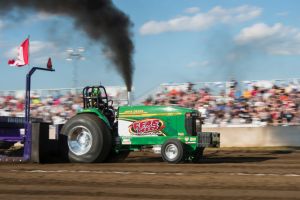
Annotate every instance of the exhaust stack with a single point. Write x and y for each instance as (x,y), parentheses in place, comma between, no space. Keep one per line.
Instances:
(129,98)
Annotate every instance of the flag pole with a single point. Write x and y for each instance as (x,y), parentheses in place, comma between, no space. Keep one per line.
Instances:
(28,51)
(27,95)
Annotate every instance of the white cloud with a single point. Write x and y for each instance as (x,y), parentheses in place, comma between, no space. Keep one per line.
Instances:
(38,46)
(277,39)
(202,21)
(257,32)
(192,10)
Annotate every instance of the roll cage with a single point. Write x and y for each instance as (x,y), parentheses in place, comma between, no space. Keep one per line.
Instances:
(95,97)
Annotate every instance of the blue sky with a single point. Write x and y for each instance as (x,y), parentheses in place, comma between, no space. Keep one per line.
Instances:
(175,41)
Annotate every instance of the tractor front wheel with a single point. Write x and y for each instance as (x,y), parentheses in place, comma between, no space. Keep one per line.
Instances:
(89,139)
(173,151)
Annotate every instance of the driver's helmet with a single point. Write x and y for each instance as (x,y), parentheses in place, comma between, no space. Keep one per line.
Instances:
(96,92)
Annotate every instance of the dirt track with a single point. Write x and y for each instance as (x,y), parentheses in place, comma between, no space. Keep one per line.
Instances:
(223,174)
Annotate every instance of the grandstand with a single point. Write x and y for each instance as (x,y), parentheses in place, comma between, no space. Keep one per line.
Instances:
(243,104)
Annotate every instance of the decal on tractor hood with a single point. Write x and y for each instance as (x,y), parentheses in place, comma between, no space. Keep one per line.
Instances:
(147,127)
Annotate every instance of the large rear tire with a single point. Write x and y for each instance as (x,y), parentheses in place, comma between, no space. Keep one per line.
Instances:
(173,151)
(89,139)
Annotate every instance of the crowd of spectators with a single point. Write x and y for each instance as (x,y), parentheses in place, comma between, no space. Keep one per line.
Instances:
(54,109)
(54,106)
(255,105)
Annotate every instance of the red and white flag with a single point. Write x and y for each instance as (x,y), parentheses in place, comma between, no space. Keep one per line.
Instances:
(23,55)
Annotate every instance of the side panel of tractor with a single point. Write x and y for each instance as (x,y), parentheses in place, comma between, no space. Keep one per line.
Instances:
(154,125)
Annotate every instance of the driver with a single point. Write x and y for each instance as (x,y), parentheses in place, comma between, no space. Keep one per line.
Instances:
(97,98)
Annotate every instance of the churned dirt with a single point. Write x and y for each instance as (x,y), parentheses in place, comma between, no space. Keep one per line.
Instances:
(270,173)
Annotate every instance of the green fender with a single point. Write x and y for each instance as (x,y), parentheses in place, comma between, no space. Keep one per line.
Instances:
(98,113)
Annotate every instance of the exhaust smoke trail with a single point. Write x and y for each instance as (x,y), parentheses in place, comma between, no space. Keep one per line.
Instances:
(99,19)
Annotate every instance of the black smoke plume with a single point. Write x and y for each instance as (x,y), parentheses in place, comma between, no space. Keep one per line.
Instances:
(99,19)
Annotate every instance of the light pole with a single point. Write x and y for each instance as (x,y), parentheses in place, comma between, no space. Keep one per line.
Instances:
(76,55)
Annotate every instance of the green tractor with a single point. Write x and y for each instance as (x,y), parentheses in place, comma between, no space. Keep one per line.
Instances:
(98,133)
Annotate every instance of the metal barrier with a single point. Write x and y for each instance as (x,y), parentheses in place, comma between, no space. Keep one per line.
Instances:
(257,136)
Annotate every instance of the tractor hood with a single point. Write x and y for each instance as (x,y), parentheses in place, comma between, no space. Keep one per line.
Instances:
(151,111)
